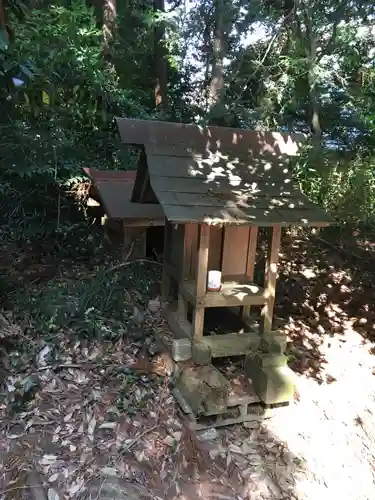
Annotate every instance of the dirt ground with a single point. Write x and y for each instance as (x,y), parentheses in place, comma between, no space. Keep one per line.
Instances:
(87,417)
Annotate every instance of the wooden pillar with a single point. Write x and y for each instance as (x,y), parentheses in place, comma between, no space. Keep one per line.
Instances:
(186,268)
(250,265)
(165,279)
(201,279)
(270,277)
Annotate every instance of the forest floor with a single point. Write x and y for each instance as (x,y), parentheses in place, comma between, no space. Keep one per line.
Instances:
(86,413)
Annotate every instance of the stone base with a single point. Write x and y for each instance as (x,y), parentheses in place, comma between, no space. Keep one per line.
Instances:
(272,379)
(204,388)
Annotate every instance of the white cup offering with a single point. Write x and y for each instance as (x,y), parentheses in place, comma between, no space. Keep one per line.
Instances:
(214,281)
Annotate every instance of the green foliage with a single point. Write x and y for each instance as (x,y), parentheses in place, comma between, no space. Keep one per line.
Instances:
(61,118)
(70,97)
(343,183)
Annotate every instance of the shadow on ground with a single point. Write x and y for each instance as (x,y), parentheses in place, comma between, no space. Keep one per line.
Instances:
(325,290)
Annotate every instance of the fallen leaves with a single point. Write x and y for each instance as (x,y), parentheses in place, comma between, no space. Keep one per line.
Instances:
(102,422)
(52,494)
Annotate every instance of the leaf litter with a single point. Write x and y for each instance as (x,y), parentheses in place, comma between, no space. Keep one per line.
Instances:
(94,416)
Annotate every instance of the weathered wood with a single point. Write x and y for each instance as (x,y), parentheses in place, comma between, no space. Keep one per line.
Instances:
(116,199)
(168,243)
(237,158)
(161,134)
(185,270)
(201,280)
(179,349)
(166,283)
(217,167)
(225,185)
(246,216)
(270,277)
(186,253)
(134,242)
(177,232)
(306,218)
(131,240)
(215,250)
(179,326)
(139,222)
(234,293)
(205,389)
(231,199)
(237,412)
(250,263)
(235,249)
(230,344)
(194,233)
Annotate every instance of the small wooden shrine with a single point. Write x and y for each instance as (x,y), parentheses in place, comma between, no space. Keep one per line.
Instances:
(125,223)
(216,187)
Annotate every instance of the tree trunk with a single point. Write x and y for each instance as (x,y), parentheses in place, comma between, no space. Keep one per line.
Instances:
(217,89)
(160,61)
(109,21)
(313,95)
(311,54)
(106,14)
(3,27)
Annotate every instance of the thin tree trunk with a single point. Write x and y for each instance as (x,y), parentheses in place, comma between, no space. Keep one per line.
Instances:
(160,61)
(3,27)
(314,108)
(313,95)
(109,25)
(217,89)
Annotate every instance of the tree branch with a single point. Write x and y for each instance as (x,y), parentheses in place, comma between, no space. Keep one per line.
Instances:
(329,44)
(274,37)
(175,5)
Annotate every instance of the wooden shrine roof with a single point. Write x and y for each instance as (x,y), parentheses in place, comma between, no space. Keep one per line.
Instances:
(220,175)
(115,189)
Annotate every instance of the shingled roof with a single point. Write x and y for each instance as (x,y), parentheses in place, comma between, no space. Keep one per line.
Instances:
(219,175)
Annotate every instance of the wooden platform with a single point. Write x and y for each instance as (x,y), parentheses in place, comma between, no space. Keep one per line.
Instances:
(236,414)
(209,399)
(234,292)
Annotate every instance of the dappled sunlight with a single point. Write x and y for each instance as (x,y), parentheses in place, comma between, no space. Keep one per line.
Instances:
(241,177)
(128,439)
(323,302)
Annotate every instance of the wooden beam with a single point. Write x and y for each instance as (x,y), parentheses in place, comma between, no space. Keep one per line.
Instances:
(165,279)
(250,265)
(185,271)
(201,279)
(231,344)
(270,278)
(238,292)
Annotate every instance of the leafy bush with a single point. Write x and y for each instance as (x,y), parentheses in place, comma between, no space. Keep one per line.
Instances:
(343,183)
(70,94)
(59,116)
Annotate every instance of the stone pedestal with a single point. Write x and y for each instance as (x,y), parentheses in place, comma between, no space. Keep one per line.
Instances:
(271,377)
